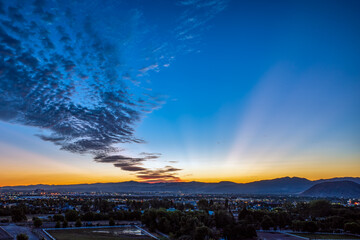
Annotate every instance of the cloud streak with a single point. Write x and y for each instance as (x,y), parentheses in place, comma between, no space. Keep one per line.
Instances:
(167,174)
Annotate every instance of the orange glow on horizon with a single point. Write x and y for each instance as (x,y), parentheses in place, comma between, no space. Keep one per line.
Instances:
(69,179)
(25,168)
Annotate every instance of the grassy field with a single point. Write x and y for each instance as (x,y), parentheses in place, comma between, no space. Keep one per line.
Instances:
(91,234)
(326,236)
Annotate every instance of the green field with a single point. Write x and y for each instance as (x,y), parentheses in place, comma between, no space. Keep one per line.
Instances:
(99,234)
(326,236)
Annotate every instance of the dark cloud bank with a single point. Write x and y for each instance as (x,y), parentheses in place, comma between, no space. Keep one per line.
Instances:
(59,73)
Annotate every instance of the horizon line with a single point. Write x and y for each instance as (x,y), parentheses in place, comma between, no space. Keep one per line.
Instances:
(149,182)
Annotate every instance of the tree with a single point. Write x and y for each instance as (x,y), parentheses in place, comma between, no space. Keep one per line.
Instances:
(164,224)
(222,219)
(297,225)
(203,204)
(89,216)
(18,215)
(85,207)
(310,226)
(335,222)
(22,236)
(250,231)
(111,222)
(58,217)
(71,215)
(288,206)
(78,223)
(202,233)
(37,222)
(282,219)
(243,214)
(267,222)
(65,224)
(226,203)
(239,231)
(57,225)
(320,208)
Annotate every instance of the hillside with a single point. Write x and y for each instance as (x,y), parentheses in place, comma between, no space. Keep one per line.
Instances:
(346,189)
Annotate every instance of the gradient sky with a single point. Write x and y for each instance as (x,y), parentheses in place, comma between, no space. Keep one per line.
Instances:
(189,90)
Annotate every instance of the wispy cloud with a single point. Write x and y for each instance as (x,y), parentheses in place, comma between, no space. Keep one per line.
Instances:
(195,19)
(167,174)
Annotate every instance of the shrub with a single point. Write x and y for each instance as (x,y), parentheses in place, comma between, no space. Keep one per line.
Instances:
(78,223)
(111,222)
(65,224)
(22,236)
(58,224)
(37,222)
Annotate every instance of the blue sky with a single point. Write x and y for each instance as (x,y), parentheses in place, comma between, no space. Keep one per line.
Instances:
(218,90)
(286,69)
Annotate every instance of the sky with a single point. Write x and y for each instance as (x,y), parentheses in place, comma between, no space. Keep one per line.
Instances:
(183,90)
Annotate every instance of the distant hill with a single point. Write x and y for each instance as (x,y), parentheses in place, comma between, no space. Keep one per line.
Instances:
(285,185)
(346,189)
(356,180)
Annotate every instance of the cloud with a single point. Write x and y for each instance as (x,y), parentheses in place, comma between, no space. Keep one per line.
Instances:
(149,68)
(118,159)
(135,164)
(150,155)
(131,168)
(47,84)
(68,73)
(195,20)
(166,174)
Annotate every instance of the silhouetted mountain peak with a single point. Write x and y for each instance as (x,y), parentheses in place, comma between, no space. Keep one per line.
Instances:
(345,189)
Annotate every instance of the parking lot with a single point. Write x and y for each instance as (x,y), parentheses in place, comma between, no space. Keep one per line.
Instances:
(14,230)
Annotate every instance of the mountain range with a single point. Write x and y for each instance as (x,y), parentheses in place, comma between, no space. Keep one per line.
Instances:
(285,185)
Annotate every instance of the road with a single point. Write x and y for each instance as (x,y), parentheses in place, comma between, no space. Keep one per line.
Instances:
(276,236)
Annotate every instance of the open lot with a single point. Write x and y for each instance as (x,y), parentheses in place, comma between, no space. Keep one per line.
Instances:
(326,236)
(121,233)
